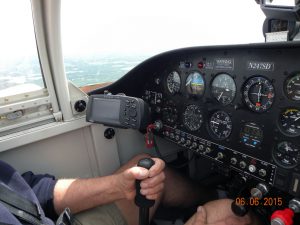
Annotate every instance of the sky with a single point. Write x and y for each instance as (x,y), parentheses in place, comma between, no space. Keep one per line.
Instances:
(134,26)
(137,26)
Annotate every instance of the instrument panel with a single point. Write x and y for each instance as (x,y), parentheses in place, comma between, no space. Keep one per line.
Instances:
(236,105)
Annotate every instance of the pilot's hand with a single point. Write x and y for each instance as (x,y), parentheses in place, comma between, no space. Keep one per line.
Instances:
(152,183)
(219,213)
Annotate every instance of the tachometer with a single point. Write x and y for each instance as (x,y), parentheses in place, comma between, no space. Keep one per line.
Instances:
(192,117)
(258,94)
(293,87)
(195,84)
(173,82)
(286,154)
(220,125)
(289,122)
(223,88)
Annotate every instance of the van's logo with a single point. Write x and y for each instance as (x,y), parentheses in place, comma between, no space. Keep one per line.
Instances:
(266,66)
(224,64)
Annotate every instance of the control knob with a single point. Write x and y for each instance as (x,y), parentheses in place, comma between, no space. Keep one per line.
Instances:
(220,155)
(201,147)
(188,142)
(243,164)
(194,145)
(252,168)
(262,172)
(233,161)
(182,140)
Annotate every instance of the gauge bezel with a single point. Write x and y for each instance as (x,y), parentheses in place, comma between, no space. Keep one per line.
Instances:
(211,88)
(211,133)
(282,130)
(166,82)
(244,96)
(291,76)
(278,162)
(183,118)
(204,84)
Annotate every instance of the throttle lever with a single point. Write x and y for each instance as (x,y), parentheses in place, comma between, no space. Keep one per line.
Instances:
(140,200)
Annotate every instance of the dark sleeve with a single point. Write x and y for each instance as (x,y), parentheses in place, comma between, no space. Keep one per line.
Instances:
(43,187)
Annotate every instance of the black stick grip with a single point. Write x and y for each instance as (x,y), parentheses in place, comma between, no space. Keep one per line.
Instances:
(140,200)
(239,210)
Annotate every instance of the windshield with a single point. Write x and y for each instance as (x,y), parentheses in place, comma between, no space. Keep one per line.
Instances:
(102,40)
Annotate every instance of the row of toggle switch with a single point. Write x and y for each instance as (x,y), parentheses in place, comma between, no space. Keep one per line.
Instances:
(201,148)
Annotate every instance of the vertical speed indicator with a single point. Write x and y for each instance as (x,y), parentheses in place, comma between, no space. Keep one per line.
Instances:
(258,94)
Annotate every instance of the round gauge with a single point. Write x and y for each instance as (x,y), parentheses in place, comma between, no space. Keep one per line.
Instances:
(286,154)
(192,117)
(169,113)
(293,87)
(220,125)
(258,94)
(289,122)
(195,84)
(173,82)
(223,88)
(251,135)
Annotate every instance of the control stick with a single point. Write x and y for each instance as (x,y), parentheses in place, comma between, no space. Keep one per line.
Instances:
(140,200)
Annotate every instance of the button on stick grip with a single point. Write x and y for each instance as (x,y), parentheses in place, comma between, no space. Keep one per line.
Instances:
(140,200)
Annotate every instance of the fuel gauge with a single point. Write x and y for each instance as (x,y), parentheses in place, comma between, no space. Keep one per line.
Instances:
(286,154)
(289,122)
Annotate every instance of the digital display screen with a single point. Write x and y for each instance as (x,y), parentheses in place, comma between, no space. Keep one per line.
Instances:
(253,131)
(105,111)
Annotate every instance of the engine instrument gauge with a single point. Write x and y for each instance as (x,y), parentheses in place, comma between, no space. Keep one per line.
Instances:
(223,88)
(293,87)
(286,154)
(258,94)
(169,113)
(289,122)
(192,117)
(195,84)
(220,125)
(173,82)
(251,135)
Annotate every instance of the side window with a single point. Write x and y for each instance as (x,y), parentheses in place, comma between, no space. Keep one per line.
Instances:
(103,40)
(20,70)
(24,98)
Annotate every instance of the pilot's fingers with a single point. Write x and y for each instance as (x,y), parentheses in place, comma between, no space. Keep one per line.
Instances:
(200,216)
(136,173)
(151,191)
(153,181)
(157,168)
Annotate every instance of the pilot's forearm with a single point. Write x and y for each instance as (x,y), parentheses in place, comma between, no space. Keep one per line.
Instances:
(82,194)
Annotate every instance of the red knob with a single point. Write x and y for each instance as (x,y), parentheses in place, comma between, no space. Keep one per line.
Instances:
(282,217)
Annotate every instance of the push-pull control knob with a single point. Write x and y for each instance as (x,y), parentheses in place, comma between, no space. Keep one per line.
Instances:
(282,217)
(259,191)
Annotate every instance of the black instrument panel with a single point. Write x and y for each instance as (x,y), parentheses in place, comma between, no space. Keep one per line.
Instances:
(237,105)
